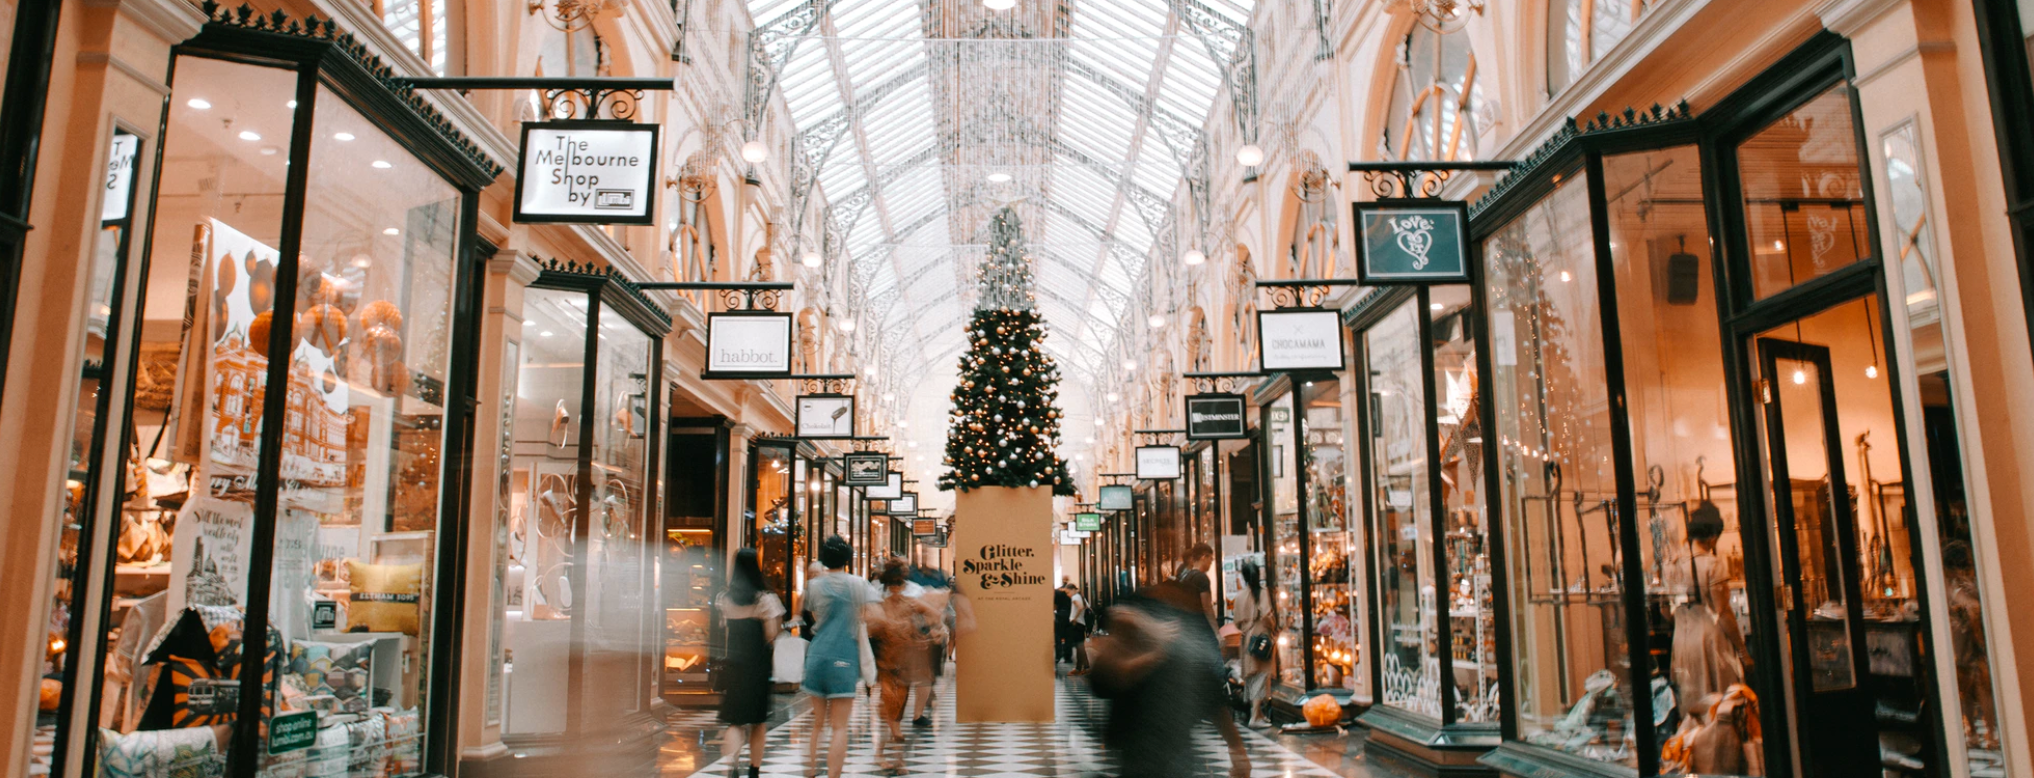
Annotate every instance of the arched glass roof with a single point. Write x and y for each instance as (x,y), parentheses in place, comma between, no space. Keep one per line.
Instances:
(917,119)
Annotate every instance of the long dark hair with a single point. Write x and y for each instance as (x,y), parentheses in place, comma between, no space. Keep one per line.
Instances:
(746,579)
(1248,569)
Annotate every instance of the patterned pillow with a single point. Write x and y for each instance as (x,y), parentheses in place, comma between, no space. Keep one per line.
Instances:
(198,692)
(342,670)
(384,597)
(169,753)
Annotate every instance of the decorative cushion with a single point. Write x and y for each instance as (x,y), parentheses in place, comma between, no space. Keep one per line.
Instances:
(340,670)
(169,753)
(204,690)
(404,746)
(385,597)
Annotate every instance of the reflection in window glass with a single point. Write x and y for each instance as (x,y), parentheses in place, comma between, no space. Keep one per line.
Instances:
(1574,681)
(1437,105)
(421,26)
(1464,526)
(545,511)
(617,574)
(1404,509)
(1804,195)
(185,530)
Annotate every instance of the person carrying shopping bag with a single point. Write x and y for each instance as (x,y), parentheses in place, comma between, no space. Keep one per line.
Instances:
(1257,623)
(753,615)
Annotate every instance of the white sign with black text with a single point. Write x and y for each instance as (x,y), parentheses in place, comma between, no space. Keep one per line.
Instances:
(1305,339)
(119,177)
(826,416)
(889,491)
(748,345)
(579,172)
(1157,463)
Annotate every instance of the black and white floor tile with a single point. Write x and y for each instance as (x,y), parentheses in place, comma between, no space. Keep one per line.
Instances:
(1066,748)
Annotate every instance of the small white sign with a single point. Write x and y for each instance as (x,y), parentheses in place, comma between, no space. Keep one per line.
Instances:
(587,173)
(906,504)
(1309,339)
(826,416)
(888,491)
(119,177)
(747,345)
(1157,463)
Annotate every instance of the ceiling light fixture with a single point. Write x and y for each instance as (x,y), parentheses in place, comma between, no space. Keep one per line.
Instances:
(999,178)
(1436,306)
(342,136)
(1156,321)
(544,334)
(391,231)
(845,325)
(811,259)
(1193,257)
(755,152)
(1112,397)
(382,164)
(199,103)
(1129,365)
(1250,155)
(249,135)
(889,397)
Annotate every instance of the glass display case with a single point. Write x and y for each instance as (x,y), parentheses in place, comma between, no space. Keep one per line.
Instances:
(770,518)
(583,640)
(279,489)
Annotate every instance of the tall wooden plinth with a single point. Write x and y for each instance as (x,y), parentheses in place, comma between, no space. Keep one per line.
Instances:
(1002,552)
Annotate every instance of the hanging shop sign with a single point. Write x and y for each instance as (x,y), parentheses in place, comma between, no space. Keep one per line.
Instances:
(892,488)
(1216,417)
(869,468)
(1072,537)
(924,527)
(748,344)
(1088,522)
(1299,339)
(1157,463)
(1114,498)
(586,172)
(904,505)
(826,416)
(1412,242)
(292,732)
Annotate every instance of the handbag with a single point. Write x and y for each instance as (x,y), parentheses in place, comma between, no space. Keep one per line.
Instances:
(787,660)
(1260,647)
(868,654)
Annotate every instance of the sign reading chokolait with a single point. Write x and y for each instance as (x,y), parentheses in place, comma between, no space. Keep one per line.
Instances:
(826,416)
(869,468)
(587,172)
(1216,417)
(748,344)
(1157,463)
(1297,339)
(1412,242)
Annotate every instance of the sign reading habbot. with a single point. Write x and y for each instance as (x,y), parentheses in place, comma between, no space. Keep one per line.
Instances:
(587,172)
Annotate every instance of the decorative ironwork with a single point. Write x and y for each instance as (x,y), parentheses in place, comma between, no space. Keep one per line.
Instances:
(1233,47)
(1302,293)
(311,27)
(1221,383)
(770,47)
(1416,180)
(826,383)
(564,98)
(613,276)
(1158,434)
(1569,132)
(734,295)
(571,15)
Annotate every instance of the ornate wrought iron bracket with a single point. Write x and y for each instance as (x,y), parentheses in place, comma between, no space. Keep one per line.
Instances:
(564,98)
(1302,292)
(1223,383)
(1417,180)
(1116,475)
(826,383)
(736,295)
(871,443)
(1158,434)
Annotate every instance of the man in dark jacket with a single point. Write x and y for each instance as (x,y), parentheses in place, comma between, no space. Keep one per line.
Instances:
(1062,609)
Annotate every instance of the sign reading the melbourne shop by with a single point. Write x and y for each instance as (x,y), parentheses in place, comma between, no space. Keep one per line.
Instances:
(748,344)
(1412,242)
(587,172)
(1299,339)
(1215,417)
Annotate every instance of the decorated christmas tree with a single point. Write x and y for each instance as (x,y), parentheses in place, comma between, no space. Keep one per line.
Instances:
(1005,420)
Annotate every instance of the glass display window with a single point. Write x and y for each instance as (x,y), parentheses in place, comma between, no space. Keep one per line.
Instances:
(1288,563)
(277,587)
(1402,515)
(1332,595)
(770,519)
(1463,528)
(1803,195)
(581,630)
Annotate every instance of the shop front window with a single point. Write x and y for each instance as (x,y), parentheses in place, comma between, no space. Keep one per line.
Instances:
(1402,506)
(1572,672)
(772,523)
(1464,528)
(1804,205)
(1330,543)
(1285,541)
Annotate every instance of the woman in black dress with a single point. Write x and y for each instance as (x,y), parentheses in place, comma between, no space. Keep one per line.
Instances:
(753,615)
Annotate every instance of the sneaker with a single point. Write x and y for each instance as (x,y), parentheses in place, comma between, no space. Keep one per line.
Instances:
(922,721)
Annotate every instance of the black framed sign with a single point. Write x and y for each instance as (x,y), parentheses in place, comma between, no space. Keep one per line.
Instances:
(924,527)
(826,416)
(1412,242)
(1299,339)
(1157,463)
(748,344)
(868,468)
(587,172)
(1115,498)
(905,505)
(892,488)
(1216,417)
(1088,522)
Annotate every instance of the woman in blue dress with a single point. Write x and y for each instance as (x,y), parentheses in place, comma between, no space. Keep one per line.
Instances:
(833,662)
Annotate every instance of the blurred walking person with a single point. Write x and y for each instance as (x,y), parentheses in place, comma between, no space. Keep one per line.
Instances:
(1255,620)
(1062,612)
(1079,616)
(1162,680)
(903,629)
(753,615)
(833,661)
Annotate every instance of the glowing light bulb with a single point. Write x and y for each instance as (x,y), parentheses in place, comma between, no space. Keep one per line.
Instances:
(999,5)
(249,135)
(1112,397)
(1156,321)
(199,103)
(1800,377)
(999,178)
(1250,155)
(845,325)
(1565,277)
(755,152)
(1193,257)
(1129,364)
(811,259)
(1871,371)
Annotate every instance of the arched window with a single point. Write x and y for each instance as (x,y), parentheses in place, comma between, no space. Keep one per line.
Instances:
(1579,32)
(1436,102)
(420,25)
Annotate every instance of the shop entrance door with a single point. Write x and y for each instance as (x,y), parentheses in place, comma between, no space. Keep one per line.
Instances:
(1815,514)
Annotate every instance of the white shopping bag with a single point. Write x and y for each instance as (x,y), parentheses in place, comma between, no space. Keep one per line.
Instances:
(787,662)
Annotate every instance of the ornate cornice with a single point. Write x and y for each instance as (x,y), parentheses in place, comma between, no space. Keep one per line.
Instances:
(1569,132)
(613,276)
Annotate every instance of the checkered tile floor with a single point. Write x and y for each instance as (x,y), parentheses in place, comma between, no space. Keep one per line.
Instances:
(1067,748)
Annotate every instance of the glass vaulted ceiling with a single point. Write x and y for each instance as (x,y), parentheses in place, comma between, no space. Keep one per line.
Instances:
(924,116)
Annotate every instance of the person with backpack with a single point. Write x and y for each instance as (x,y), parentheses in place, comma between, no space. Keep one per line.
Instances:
(1254,618)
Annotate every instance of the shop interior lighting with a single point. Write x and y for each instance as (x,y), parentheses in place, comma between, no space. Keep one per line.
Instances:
(342,136)
(382,164)
(249,135)
(544,334)
(999,5)
(391,231)
(1439,306)
(199,103)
